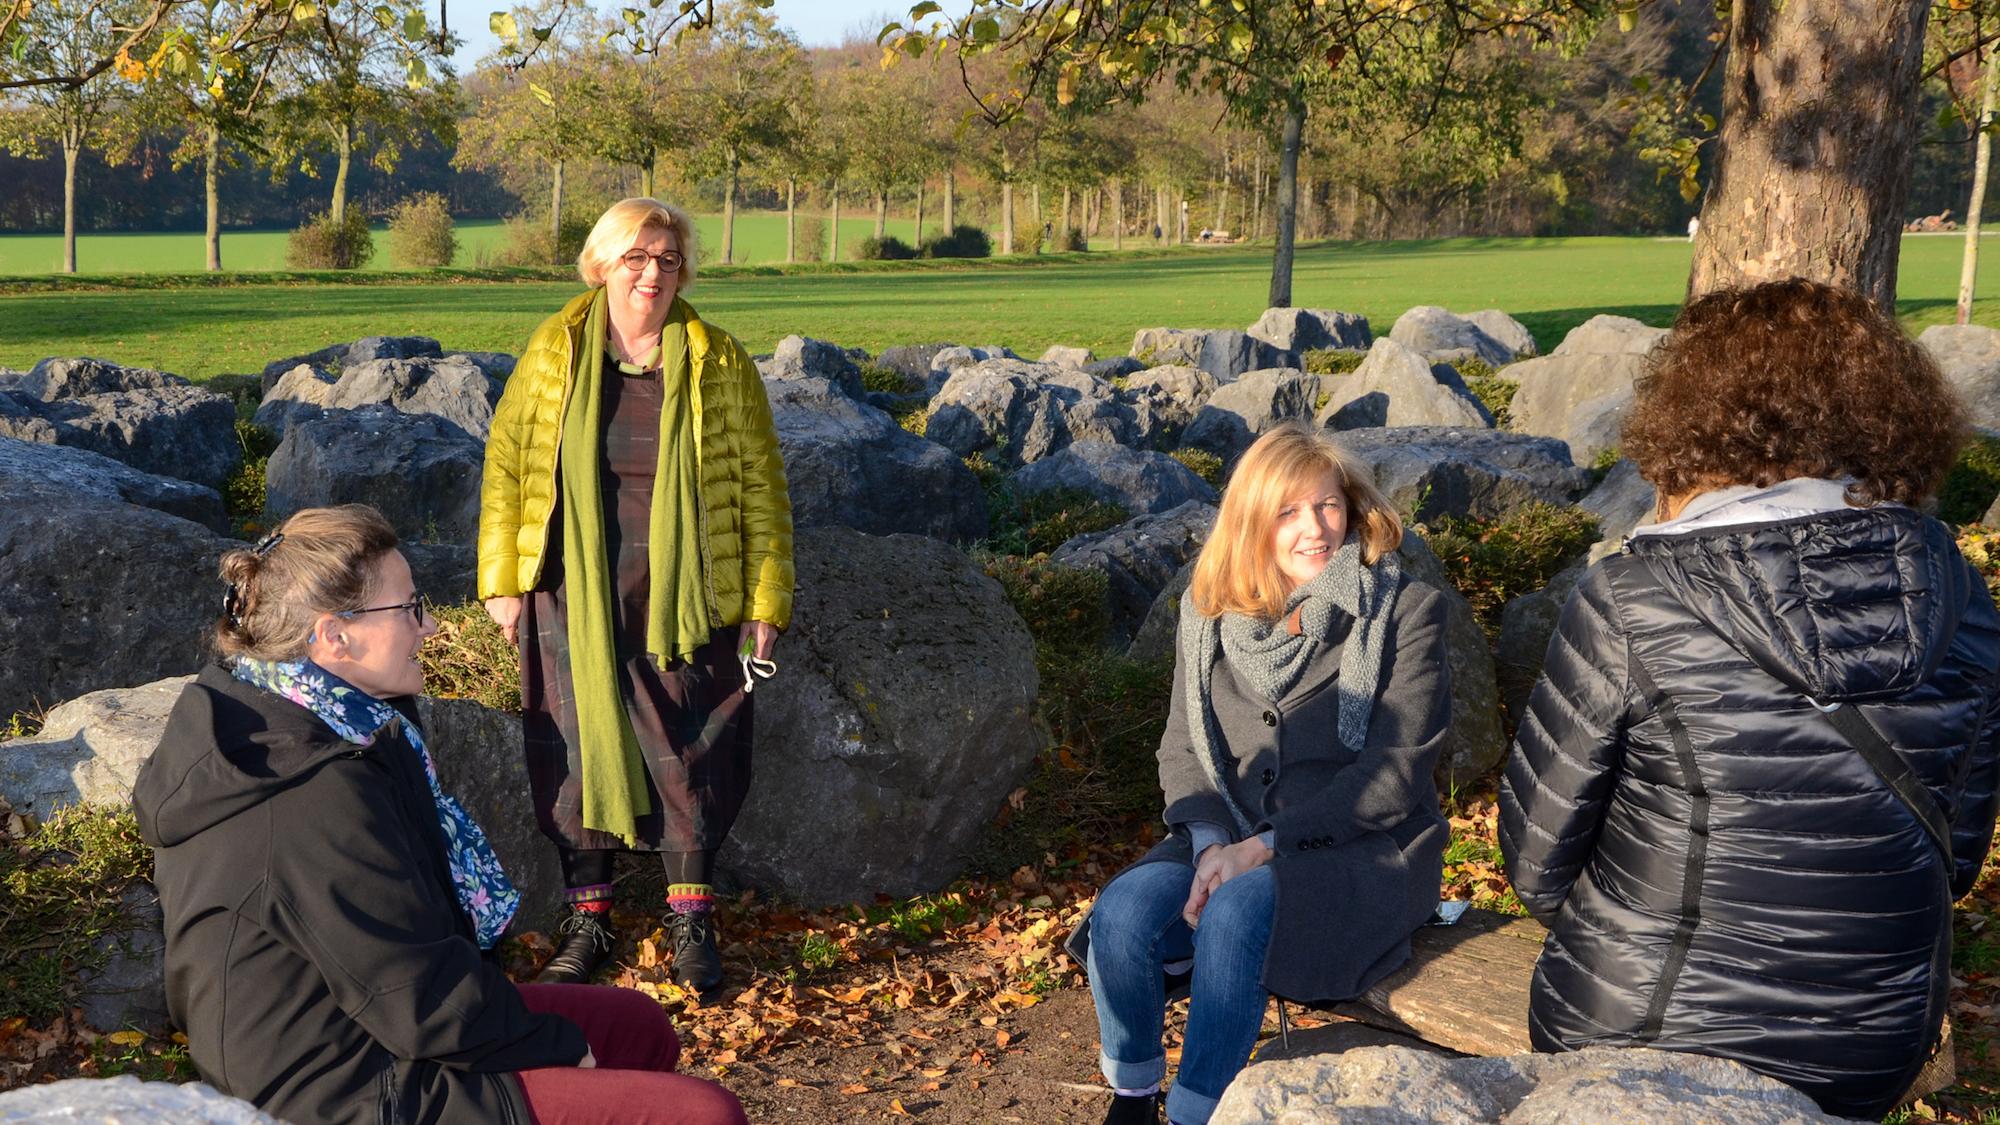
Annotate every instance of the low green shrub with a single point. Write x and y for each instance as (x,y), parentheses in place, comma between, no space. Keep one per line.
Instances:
(420,232)
(887,248)
(243,493)
(1066,608)
(245,391)
(319,245)
(808,238)
(61,881)
(1497,394)
(1492,562)
(1073,240)
(1202,463)
(961,241)
(1472,368)
(915,419)
(1972,484)
(470,658)
(1332,361)
(1036,523)
(875,377)
(525,240)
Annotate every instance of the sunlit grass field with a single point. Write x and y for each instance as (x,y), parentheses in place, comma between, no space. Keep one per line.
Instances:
(1096,300)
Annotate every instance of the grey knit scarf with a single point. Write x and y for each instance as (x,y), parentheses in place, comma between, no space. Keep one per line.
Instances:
(1271,659)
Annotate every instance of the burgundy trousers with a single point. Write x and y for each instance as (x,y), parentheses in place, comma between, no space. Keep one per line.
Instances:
(633,1082)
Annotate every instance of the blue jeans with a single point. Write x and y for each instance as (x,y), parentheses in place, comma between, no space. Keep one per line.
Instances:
(1135,929)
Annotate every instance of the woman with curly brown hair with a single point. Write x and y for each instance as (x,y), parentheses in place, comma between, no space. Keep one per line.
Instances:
(1760,763)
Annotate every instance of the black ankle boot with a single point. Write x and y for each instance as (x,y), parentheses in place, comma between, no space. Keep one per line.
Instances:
(1133,1109)
(586,946)
(697,963)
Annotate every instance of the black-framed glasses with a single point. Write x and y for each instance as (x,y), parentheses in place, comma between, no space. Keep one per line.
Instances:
(635,260)
(417,608)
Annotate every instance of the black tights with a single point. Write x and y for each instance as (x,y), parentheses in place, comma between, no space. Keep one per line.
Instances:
(589,868)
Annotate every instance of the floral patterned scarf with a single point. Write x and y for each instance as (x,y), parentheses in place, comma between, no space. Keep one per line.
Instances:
(483,887)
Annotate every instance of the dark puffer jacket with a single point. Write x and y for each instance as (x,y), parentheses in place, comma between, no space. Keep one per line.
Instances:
(1721,872)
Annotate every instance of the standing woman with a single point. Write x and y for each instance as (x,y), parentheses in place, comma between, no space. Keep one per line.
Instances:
(635,539)
(1759,764)
(1309,707)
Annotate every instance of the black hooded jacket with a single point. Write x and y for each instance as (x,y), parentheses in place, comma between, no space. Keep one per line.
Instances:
(1720,870)
(317,955)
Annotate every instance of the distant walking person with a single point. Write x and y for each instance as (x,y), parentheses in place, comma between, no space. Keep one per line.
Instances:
(1760,762)
(635,539)
(1309,705)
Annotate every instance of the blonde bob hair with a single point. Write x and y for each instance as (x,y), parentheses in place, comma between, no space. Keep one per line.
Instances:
(619,228)
(1238,568)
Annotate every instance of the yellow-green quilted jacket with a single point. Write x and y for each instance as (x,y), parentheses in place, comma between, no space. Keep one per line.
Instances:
(747,511)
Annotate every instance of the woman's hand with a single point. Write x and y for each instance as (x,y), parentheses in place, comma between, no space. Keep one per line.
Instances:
(764,635)
(1218,865)
(589,1059)
(505,610)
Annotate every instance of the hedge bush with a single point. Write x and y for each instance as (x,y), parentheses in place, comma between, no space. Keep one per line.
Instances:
(962,242)
(319,245)
(1493,562)
(1973,482)
(1072,239)
(420,232)
(808,238)
(525,240)
(887,248)
(1332,361)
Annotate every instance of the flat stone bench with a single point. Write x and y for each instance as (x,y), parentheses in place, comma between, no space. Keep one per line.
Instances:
(1465,990)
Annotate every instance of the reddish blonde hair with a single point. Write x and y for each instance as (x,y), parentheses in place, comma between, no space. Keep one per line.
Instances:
(1238,570)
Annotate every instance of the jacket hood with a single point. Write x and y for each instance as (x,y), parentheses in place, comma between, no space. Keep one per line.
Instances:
(228,746)
(1849,605)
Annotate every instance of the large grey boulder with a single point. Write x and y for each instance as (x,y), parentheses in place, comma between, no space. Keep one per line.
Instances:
(334,358)
(477,751)
(89,749)
(798,357)
(155,422)
(1476,741)
(421,471)
(1017,412)
(447,573)
(1304,330)
(913,360)
(116,1101)
(951,359)
(1116,367)
(1238,412)
(129,988)
(1433,471)
(1140,481)
(1969,355)
(1605,334)
(1600,1085)
(1580,397)
(1441,336)
(61,469)
(902,715)
(1621,501)
(850,464)
(1505,331)
(1396,386)
(1221,352)
(1062,355)
(1139,558)
(1165,400)
(453,388)
(1526,624)
(97,593)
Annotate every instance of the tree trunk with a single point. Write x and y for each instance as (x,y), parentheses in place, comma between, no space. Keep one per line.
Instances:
(555,214)
(646,176)
(791,222)
(1288,203)
(833,255)
(1161,231)
(1006,202)
(1819,122)
(950,200)
(72,148)
(920,214)
(1062,236)
(881,214)
(343,148)
(211,153)
(1983,157)
(1117,213)
(733,169)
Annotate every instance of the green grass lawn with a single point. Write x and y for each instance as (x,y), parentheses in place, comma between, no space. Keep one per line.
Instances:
(760,237)
(1098,301)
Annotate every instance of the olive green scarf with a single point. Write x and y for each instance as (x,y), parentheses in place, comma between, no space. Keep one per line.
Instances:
(677,621)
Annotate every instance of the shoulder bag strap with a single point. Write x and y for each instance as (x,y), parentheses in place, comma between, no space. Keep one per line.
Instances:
(1893,770)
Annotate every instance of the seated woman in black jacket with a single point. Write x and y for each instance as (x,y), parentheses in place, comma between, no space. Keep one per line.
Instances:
(1760,762)
(327,904)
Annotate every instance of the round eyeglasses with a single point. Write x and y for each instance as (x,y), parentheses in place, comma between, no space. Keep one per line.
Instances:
(636,259)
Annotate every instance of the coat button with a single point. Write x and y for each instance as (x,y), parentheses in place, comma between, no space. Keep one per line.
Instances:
(1270,776)
(1270,718)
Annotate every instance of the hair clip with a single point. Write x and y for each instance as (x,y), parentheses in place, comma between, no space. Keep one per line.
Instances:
(265,544)
(232,601)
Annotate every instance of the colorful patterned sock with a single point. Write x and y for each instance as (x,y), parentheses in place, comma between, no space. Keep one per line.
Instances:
(690,898)
(595,898)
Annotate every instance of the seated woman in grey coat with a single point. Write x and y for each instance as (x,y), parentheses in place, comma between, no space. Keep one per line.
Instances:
(1309,705)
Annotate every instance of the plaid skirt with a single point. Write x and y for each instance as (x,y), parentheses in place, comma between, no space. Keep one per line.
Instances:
(692,718)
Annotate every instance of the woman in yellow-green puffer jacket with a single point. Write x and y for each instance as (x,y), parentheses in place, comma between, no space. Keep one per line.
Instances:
(635,540)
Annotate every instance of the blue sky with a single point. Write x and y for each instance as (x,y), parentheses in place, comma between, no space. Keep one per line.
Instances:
(817,22)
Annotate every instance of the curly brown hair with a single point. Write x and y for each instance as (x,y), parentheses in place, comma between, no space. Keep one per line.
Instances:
(1793,379)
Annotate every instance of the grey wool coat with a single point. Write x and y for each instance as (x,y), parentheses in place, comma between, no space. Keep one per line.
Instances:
(1358,840)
